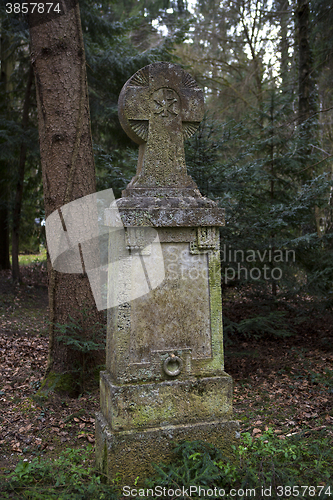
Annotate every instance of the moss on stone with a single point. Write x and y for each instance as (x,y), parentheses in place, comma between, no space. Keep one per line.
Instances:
(62,383)
(117,453)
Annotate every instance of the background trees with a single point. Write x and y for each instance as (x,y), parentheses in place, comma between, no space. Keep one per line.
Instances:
(264,150)
(263,82)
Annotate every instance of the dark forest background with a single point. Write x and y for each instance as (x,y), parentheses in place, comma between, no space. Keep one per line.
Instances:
(263,151)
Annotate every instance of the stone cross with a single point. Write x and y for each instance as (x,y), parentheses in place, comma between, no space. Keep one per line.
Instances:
(164,379)
(159,107)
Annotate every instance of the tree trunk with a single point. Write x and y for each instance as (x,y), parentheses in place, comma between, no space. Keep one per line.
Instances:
(58,59)
(304,58)
(7,68)
(284,18)
(19,187)
(307,129)
(272,183)
(4,230)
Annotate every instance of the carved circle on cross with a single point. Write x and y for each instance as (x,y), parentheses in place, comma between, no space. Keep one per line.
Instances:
(166,103)
(160,90)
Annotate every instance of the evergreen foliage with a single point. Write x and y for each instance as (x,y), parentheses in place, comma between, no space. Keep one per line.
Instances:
(116,46)
(15,53)
(270,170)
(69,477)
(266,462)
(263,462)
(265,166)
(85,340)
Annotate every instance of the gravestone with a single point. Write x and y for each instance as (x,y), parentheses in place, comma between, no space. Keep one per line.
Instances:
(164,378)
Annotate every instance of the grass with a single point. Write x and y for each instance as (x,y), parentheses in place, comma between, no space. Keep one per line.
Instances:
(69,477)
(296,467)
(28,259)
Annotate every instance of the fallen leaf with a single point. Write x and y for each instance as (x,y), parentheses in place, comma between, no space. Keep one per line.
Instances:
(16,447)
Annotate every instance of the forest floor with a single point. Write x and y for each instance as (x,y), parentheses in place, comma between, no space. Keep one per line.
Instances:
(285,383)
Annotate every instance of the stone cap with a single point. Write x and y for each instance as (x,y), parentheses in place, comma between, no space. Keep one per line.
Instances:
(164,212)
(159,107)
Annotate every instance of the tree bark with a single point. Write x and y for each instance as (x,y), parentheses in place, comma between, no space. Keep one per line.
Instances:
(4,229)
(307,132)
(58,59)
(19,187)
(284,18)
(304,58)
(7,68)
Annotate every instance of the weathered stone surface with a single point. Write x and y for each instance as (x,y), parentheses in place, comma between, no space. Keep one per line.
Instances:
(130,454)
(164,376)
(164,212)
(130,406)
(158,106)
(183,313)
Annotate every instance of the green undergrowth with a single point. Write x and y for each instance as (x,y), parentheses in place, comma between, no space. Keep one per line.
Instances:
(70,477)
(271,324)
(35,259)
(265,464)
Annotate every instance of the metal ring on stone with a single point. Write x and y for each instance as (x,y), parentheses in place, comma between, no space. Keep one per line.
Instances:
(172,365)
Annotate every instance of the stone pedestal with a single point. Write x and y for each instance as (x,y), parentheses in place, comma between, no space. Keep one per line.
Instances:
(164,378)
(129,454)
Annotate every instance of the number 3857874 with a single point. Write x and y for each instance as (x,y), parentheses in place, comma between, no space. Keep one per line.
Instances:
(31,7)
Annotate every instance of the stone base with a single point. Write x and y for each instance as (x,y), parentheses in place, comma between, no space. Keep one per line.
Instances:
(130,407)
(131,453)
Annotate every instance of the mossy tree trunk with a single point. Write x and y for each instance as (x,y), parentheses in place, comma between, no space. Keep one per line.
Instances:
(58,59)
